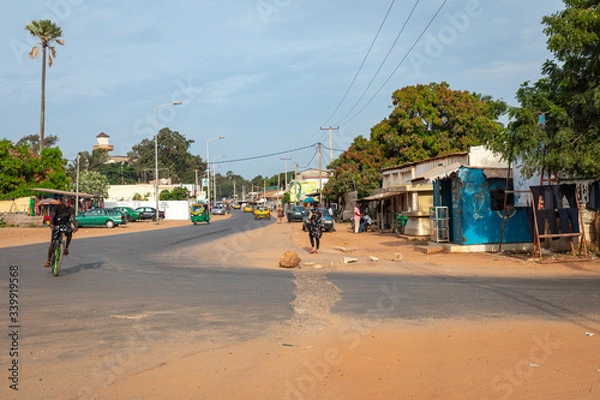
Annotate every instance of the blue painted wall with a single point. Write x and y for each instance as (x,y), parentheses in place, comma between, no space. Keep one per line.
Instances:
(473,222)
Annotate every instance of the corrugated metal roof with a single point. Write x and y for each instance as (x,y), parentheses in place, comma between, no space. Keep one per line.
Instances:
(437,173)
(405,165)
(380,196)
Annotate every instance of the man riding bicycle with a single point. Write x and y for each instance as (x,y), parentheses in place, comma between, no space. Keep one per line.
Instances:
(63,217)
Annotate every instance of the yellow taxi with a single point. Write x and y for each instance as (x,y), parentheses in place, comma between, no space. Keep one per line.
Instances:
(262,212)
(248,208)
(237,206)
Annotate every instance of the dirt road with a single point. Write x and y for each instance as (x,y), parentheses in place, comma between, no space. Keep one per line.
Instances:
(318,355)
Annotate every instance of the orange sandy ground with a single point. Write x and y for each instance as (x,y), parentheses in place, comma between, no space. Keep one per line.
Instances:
(328,357)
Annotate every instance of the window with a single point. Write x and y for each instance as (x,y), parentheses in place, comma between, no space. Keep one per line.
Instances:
(497,199)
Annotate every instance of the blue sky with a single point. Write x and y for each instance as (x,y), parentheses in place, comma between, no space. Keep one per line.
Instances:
(266,74)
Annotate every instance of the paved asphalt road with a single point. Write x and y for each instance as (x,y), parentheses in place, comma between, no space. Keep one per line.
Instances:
(109,281)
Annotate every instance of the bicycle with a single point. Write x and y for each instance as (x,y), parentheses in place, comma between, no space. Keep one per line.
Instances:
(58,248)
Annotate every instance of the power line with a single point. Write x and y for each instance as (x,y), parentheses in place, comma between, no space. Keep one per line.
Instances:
(357,72)
(362,63)
(383,61)
(328,148)
(401,62)
(262,156)
(311,160)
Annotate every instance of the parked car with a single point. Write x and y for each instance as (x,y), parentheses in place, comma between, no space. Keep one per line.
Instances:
(99,217)
(123,214)
(326,220)
(130,214)
(296,214)
(262,212)
(149,213)
(248,208)
(219,210)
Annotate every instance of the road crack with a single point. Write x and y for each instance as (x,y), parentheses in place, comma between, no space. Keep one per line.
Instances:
(314,298)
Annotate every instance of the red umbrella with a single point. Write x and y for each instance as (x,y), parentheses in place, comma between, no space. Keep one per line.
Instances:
(47,202)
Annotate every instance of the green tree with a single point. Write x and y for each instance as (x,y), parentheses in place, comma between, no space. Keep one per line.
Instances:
(433,120)
(178,193)
(92,182)
(94,161)
(21,169)
(137,196)
(426,121)
(565,143)
(173,153)
(119,173)
(33,141)
(357,169)
(48,33)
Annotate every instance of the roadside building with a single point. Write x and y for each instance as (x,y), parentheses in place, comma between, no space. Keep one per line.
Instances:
(408,189)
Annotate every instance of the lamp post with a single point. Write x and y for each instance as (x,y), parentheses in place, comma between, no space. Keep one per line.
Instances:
(208,165)
(215,180)
(77,187)
(175,103)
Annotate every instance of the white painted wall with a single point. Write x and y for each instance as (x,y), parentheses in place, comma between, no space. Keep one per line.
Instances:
(479,156)
(174,209)
(126,192)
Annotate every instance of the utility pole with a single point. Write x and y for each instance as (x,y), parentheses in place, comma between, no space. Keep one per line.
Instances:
(285,160)
(234,194)
(196,184)
(331,128)
(77,188)
(320,172)
(295,171)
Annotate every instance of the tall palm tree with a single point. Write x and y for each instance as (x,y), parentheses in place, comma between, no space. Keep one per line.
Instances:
(48,33)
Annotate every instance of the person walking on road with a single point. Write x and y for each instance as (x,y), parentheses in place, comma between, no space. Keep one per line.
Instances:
(279,215)
(314,227)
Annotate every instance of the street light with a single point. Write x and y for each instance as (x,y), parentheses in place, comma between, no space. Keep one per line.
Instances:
(215,180)
(208,165)
(175,103)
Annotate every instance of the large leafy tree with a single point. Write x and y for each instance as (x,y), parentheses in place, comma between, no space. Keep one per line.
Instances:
(48,33)
(173,153)
(557,128)
(21,168)
(433,120)
(119,173)
(426,121)
(357,169)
